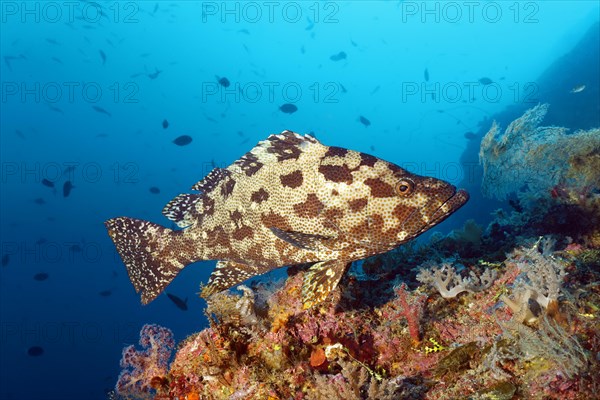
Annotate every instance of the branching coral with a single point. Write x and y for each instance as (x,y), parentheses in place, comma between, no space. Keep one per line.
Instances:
(449,283)
(411,307)
(533,159)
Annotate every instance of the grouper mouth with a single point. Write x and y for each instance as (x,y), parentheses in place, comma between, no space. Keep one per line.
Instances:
(447,208)
(454,202)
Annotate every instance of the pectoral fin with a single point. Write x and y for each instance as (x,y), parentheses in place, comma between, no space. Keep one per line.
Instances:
(320,280)
(228,274)
(307,241)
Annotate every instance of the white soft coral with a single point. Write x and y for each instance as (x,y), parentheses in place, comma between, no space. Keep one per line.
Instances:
(541,282)
(450,284)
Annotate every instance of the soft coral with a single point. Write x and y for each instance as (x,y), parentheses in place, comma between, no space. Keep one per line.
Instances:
(144,370)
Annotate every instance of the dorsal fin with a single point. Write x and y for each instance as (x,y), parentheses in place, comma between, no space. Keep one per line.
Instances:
(212,180)
(183,209)
(287,145)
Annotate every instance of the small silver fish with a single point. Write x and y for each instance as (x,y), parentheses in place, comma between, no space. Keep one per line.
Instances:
(577,89)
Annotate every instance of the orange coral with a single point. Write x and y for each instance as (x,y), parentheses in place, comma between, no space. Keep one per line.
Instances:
(192,396)
(317,357)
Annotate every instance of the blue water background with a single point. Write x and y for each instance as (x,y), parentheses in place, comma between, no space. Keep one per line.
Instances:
(270,59)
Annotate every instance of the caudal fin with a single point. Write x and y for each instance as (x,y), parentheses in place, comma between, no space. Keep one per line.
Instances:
(152,254)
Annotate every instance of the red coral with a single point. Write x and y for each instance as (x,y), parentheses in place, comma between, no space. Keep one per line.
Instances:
(412,309)
(144,370)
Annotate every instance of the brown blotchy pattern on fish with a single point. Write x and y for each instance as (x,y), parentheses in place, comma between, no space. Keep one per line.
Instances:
(259,196)
(358,204)
(227,187)
(249,164)
(276,220)
(236,216)
(285,150)
(403,213)
(310,208)
(208,207)
(367,160)
(333,214)
(292,180)
(335,151)
(336,173)
(380,188)
(242,233)
(218,237)
(289,201)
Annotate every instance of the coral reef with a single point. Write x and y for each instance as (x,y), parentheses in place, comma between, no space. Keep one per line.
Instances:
(146,370)
(541,283)
(534,159)
(550,177)
(507,311)
(449,283)
(407,345)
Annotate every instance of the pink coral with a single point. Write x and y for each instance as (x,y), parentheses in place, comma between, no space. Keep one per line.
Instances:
(144,370)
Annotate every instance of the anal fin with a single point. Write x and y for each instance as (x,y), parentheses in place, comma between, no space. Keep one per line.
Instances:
(320,280)
(228,274)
